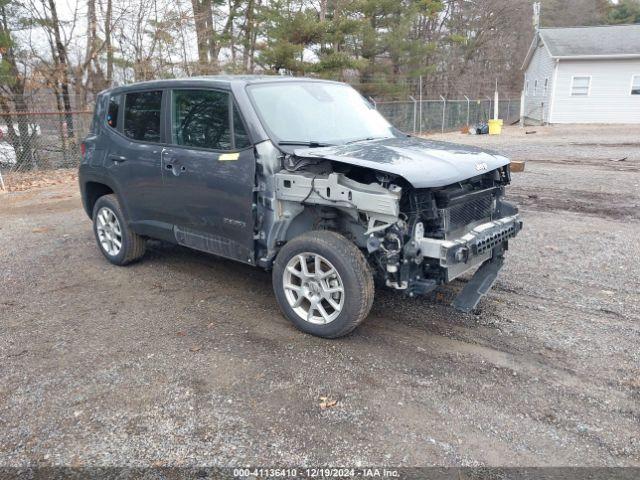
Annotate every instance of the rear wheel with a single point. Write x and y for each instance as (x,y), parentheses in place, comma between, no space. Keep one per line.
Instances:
(323,284)
(117,242)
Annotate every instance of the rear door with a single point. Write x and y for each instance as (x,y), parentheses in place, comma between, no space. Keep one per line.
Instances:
(134,121)
(208,170)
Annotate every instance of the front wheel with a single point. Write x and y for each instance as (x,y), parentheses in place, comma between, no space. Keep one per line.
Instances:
(323,284)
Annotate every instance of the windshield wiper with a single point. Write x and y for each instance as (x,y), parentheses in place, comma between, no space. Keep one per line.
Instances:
(310,143)
(364,140)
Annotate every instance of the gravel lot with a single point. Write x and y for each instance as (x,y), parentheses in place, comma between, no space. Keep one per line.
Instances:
(184,359)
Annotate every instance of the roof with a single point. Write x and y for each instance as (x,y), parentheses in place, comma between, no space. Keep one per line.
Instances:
(600,42)
(217,80)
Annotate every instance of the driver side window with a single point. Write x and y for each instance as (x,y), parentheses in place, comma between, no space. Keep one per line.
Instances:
(201,119)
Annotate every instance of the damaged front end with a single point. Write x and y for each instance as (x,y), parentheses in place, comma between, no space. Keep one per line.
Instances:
(415,238)
(445,232)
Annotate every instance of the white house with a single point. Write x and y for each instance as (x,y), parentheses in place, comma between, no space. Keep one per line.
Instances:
(583,75)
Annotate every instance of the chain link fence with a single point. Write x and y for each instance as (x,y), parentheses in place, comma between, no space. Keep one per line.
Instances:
(34,141)
(445,115)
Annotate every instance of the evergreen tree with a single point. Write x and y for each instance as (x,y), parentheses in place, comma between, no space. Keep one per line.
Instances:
(626,11)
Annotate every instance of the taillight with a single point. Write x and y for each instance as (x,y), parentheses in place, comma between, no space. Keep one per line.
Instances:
(83,149)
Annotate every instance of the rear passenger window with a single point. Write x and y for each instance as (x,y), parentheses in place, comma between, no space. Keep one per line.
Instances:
(201,119)
(113,110)
(142,116)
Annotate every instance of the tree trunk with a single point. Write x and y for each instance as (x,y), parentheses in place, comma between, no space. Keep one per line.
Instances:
(95,74)
(64,73)
(202,39)
(227,32)
(207,9)
(249,36)
(107,42)
(323,10)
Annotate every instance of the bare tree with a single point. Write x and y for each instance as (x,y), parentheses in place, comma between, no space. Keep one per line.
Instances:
(63,60)
(574,13)
(203,19)
(107,42)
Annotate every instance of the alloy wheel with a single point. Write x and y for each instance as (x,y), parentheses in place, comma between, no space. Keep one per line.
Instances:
(109,231)
(313,288)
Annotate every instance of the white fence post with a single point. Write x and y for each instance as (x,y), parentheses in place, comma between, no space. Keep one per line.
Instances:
(420,106)
(415,111)
(444,110)
(468,109)
(375,105)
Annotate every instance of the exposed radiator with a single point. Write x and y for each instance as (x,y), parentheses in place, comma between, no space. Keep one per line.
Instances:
(468,209)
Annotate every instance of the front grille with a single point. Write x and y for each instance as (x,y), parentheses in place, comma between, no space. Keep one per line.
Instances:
(467,210)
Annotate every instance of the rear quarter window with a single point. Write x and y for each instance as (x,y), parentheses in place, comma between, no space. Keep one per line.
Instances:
(113,110)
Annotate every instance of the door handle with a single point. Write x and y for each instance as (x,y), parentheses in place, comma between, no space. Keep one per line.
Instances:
(117,158)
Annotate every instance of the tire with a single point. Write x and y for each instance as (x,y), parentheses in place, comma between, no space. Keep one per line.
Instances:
(297,290)
(132,246)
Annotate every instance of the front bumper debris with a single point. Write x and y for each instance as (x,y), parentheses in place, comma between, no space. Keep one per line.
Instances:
(483,246)
(478,242)
(479,285)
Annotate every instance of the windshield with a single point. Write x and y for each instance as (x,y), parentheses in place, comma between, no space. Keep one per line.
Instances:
(317,113)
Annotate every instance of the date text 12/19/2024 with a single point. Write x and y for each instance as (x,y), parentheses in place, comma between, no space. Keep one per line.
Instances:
(315,473)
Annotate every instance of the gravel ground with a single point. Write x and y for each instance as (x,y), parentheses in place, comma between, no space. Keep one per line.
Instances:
(184,359)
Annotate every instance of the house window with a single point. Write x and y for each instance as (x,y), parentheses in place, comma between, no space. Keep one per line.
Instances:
(546,85)
(635,85)
(535,88)
(580,86)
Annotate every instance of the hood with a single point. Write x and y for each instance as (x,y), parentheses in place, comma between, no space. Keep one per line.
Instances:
(423,163)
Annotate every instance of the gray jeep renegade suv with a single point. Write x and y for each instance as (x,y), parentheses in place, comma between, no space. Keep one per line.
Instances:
(300,176)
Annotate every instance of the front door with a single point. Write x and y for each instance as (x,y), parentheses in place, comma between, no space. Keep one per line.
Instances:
(208,170)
